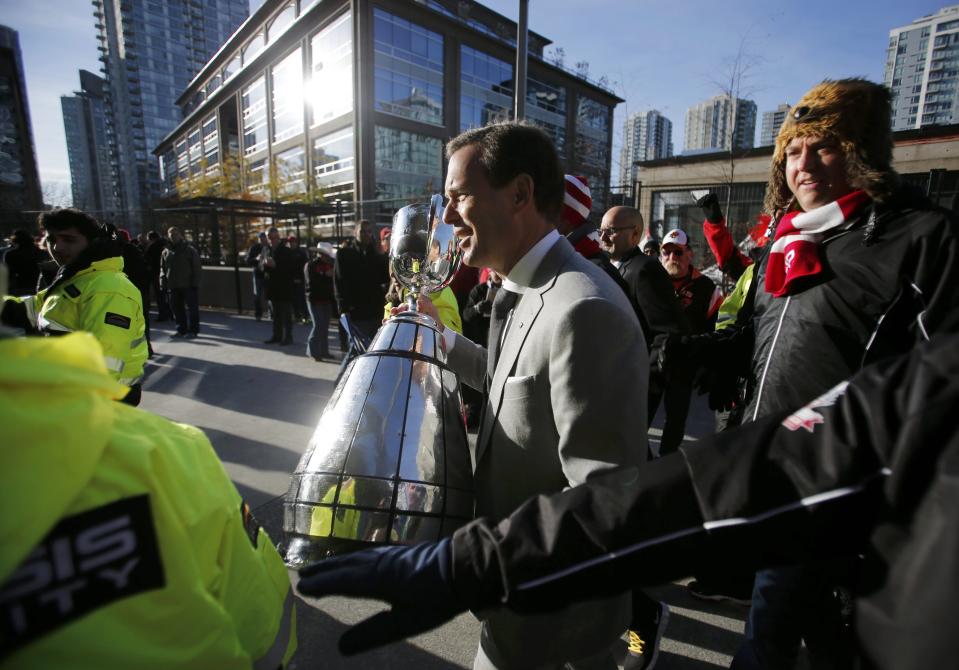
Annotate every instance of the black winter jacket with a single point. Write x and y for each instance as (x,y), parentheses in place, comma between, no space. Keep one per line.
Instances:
(889,282)
(870,467)
(651,290)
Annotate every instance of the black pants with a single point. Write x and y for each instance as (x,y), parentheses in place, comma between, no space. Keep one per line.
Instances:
(186,310)
(282,320)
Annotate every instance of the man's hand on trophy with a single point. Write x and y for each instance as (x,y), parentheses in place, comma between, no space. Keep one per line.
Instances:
(416,581)
(425,306)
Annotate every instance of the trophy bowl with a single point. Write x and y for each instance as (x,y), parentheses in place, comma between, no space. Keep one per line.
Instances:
(389,461)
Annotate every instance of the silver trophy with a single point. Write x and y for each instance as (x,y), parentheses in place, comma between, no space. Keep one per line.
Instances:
(389,461)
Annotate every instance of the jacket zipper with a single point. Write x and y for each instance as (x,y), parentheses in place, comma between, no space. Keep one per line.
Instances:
(772,348)
(769,357)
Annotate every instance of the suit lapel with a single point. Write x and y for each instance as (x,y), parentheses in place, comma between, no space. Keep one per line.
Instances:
(523,317)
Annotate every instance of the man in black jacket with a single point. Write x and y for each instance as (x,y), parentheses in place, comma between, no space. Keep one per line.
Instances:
(360,279)
(659,310)
(857,269)
(869,467)
(279,267)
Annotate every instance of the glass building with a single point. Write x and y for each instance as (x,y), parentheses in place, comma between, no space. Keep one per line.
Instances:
(353,101)
(94,176)
(150,51)
(922,70)
(19,179)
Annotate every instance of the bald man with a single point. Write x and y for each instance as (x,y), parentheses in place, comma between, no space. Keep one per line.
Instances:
(649,285)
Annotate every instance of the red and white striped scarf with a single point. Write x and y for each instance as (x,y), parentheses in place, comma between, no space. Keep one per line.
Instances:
(795,251)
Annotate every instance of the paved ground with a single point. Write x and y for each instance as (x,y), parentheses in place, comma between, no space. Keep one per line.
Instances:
(259,405)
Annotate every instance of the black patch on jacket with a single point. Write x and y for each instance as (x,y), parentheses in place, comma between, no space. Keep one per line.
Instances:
(250,524)
(87,561)
(72,291)
(117,320)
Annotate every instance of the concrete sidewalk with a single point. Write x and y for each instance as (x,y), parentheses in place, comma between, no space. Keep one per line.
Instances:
(259,405)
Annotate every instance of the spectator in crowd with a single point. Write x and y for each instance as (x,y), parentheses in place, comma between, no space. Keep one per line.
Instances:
(869,468)
(135,268)
(318,279)
(180,275)
(300,258)
(647,283)
(23,259)
(361,279)
(700,299)
(505,189)
(137,551)
(479,308)
(89,293)
(154,257)
(860,267)
(464,279)
(279,268)
(697,293)
(651,247)
(259,280)
(385,235)
(476,318)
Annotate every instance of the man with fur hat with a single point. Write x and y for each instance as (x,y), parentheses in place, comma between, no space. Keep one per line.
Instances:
(858,268)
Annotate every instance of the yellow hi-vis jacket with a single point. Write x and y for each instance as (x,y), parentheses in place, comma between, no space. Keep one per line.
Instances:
(100,300)
(125,545)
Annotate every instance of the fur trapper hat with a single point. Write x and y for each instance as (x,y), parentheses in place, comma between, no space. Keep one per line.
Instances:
(857,114)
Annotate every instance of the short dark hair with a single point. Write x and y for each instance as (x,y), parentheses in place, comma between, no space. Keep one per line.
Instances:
(61,218)
(512,148)
(153,235)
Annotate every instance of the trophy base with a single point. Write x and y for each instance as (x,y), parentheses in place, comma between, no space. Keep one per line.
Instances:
(302,551)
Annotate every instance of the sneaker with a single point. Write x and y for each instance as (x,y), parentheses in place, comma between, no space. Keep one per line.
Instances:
(178,334)
(643,649)
(702,591)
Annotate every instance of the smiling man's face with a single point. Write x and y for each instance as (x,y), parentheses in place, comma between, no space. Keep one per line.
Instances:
(480,214)
(815,171)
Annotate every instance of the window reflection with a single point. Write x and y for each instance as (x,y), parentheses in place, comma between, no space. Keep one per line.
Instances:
(254,47)
(334,164)
(211,142)
(281,21)
(290,172)
(253,107)
(288,97)
(257,176)
(408,68)
(407,164)
(331,80)
(486,89)
(196,150)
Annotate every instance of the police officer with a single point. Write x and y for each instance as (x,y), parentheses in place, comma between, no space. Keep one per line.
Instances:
(131,547)
(89,293)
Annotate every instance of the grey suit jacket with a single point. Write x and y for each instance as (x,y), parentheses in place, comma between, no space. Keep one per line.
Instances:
(567,400)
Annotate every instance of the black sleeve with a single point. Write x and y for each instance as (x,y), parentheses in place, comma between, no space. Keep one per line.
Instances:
(341,289)
(476,296)
(783,489)
(656,298)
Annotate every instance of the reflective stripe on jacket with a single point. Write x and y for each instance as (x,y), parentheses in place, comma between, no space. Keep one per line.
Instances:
(99,300)
(125,543)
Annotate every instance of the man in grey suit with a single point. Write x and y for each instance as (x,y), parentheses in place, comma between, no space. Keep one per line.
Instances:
(566,371)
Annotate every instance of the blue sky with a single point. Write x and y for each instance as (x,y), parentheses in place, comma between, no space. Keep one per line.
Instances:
(663,54)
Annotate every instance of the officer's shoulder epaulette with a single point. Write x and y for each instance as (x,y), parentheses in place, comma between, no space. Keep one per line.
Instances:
(71,290)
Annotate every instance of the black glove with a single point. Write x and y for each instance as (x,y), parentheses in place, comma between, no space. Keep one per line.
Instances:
(416,581)
(710,206)
(678,356)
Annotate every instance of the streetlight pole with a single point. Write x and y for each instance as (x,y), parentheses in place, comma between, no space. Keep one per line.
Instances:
(519,102)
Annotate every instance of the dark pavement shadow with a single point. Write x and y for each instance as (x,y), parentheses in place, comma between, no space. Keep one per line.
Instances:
(319,633)
(245,388)
(235,449)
